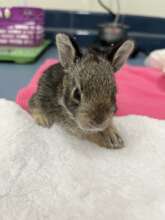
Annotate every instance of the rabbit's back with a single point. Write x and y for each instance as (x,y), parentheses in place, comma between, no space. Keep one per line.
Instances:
(49,93)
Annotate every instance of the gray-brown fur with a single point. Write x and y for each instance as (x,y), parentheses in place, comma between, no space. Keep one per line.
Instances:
(80,93)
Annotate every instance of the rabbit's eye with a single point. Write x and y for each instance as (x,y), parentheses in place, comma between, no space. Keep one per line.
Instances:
(76,95)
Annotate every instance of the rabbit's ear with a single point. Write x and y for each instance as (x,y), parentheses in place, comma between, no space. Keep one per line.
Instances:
(67,50)
(122,54)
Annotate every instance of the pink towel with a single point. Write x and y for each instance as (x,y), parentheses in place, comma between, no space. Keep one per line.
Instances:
(141,90)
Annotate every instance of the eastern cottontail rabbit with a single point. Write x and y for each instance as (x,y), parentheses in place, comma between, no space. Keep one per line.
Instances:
(80,93)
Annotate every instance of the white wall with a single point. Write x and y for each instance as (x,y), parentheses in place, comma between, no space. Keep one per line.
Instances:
(138,7)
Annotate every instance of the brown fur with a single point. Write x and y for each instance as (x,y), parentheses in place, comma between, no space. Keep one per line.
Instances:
(80,93)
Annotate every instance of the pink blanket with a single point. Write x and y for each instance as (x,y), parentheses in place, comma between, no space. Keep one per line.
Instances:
(141,90)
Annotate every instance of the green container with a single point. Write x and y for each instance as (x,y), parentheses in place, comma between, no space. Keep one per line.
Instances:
(22,55)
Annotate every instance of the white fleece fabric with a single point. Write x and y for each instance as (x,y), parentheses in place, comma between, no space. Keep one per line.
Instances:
(45,174)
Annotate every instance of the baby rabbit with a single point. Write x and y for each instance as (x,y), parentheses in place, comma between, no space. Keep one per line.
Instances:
(79,93)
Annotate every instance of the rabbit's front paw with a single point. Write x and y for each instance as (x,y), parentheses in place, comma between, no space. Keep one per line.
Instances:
(40,118)
(112,139)
(108,139)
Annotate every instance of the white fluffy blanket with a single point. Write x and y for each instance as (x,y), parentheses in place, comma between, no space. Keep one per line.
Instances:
(47,175)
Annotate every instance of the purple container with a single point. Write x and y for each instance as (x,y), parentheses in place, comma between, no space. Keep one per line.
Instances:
(21,26)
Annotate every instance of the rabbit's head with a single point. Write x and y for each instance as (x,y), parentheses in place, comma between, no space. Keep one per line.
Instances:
(89,90)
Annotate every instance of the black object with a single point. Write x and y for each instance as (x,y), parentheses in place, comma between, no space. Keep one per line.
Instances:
(112,33)
(110,37)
